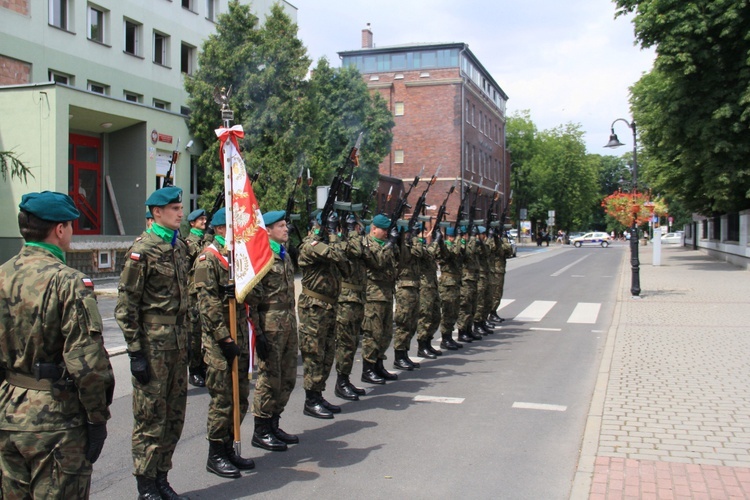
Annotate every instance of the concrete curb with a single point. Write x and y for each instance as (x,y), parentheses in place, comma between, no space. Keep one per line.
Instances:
(581,487)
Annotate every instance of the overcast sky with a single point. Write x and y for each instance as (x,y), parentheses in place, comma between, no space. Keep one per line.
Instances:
(565,61)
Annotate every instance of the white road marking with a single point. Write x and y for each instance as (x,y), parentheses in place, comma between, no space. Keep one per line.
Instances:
(505,302)
(558,273)
(585,312)
(536,311)
(539,406)
(438,399)
(537,329)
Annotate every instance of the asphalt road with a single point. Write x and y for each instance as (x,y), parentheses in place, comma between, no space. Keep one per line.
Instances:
(502,418)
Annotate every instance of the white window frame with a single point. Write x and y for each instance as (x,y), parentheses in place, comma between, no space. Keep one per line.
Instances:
(127,93)
(54,75)
(90,86)
(398,156)
(60,14)
(160,56)
(398,108)
(159,104)
(104,26)
(190,58)
(212,10)
(137,37)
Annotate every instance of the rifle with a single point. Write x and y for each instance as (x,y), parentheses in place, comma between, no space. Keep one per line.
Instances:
(441,211)
(491,210)
(419,206)
(402,202)
(290,205)
(172,160)
(339,183)
(460,214)
(473,208)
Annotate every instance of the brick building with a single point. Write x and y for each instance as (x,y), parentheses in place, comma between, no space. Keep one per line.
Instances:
(449,113)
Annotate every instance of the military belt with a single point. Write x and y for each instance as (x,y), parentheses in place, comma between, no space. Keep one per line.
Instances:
(310,293)
(161,319)
(28,382)
(276,306)
(352,286)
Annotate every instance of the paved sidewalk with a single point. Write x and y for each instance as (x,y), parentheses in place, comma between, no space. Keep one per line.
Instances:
(670,415)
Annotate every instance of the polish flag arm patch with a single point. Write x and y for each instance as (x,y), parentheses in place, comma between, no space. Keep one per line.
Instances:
(135,256)
(202,257)
(87,282)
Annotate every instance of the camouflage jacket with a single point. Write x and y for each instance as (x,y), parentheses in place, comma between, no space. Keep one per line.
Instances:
(152,298)
(272,300)
(320,263)
(449,259)
(428,266)
(380,261)
(48,314)
(471,255)
(211,271)
(354,273)
(410,254)
(500,250)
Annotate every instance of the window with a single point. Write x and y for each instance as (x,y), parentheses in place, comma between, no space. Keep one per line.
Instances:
(473,115)
(57,77)
(133,97)
(97,24)
(187,59)
(212,9)
(733,227)
(398,109)
(398,156)
(473,155)
(468,118)
(133,38)
(59,13)
(98,88)
(161,104)
(187,4)
(161,48)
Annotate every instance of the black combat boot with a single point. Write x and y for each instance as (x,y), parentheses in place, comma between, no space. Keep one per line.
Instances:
(380,370)
(343,389)
(476,332)
(328,406)
(424,351)
(488,327)
(464,337)
(413,363)
(428,345)
(218,463)
(279,432)
(369,374)
(238,461)
(314,406)
(196,377)
(448,343)
(147,489)
(356,390)
(399,361)
(167,493)
(264,437)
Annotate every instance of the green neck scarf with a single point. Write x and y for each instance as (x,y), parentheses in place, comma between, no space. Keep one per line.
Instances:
(196,231)
(53,249)
(276,247)
(168,235)
(379,242)
(222,241)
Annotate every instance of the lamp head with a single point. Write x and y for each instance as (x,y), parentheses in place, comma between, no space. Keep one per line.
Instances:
(614,142)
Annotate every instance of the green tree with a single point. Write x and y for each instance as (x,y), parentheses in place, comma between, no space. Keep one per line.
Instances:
(521,138)
(693,108)
(11,165)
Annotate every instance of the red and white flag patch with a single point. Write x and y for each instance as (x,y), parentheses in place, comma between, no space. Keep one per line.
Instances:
(87,282)
(202,257)
(135,256)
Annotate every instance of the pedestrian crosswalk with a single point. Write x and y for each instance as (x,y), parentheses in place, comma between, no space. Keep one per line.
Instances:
(538,310)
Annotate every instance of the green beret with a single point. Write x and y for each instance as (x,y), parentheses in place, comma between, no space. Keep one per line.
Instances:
(50,206)
(273,217)
(148,214)
(381,221)
(195,214)
(482,229)
(220,217)
(164,196)
(451,231)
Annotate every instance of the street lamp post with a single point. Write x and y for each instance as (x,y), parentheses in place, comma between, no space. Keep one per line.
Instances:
(614,142)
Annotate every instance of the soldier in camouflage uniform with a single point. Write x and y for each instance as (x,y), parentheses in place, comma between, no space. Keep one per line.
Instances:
(483,288)
(377,328)
(429,313)
(211,273)
(449,287)
(275,326)
(151,311)
(319,261)
(469,279)
(350,312)
(500,251)
(411,251)
(195,242)
(58,382)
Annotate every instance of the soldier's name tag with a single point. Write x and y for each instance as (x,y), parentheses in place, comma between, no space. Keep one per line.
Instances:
(135,256)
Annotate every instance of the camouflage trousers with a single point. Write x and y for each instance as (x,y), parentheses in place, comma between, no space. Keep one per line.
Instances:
(317,325)
(277,375)
(377,330)
(497,291)
(483,294)
(468,302)
(406,317)
(195,354)
(349,318)
(450,301)
(159,411)
(429,312)
(48,464)
(219,384)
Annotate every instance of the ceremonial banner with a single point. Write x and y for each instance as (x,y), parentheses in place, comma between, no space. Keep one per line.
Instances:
(247,239)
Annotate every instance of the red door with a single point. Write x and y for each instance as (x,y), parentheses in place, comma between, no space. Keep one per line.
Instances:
(85,182)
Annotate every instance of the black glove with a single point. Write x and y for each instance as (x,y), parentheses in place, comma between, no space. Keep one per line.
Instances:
(97,434)
(139,367)
(262,349)
(210,230)
(351,222)
(227,290)
(437,236)
(230,350)
(332,223)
